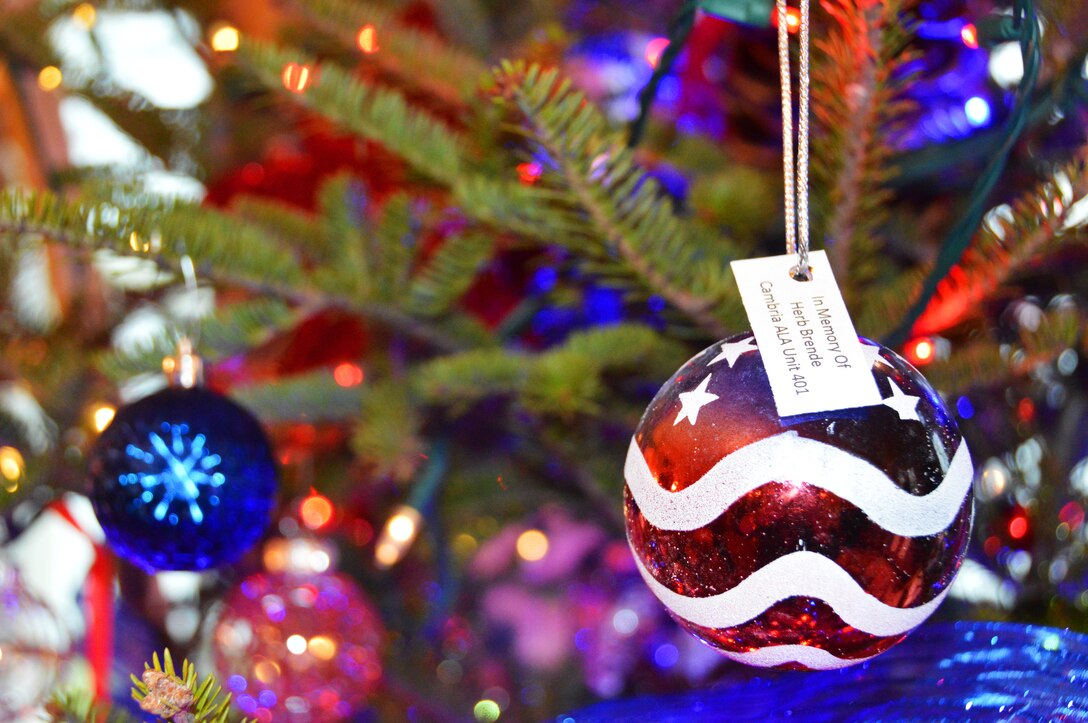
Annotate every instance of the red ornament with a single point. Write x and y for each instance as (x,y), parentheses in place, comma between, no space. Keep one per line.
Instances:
(815,541)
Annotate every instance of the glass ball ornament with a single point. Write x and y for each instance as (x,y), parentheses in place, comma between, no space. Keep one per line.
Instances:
(298,648)
(814,541)
(33,645)
(183,480)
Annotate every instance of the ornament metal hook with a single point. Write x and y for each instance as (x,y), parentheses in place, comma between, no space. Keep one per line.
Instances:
(186,368)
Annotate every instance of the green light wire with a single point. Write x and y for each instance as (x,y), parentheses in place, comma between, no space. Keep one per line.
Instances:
(1026,24)
(679,32)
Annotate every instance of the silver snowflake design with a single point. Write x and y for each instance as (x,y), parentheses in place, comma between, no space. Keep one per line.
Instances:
(182,466)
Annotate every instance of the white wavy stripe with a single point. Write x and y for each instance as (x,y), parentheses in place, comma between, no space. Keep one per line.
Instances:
(799,574)
(811,658)
(788,457)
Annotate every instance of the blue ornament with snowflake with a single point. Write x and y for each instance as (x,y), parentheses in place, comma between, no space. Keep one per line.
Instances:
(183,480)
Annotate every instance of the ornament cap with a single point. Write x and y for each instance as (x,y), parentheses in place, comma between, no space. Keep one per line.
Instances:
(186,368)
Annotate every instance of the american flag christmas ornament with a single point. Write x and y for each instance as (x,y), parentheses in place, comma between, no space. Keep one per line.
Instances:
(812,541)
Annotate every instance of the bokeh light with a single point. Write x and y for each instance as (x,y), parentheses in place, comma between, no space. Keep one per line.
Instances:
(397,536)
(348,374)
(12,465)
(50,78)
(529,173)
(921,351)
(969,35)
(297,77)
(85,15)
(793,19)
(367,39)
(224,38)
(654,49)
(402,527)
(486,711)
(296,644)
(102,415)
(316,511)
(532,545)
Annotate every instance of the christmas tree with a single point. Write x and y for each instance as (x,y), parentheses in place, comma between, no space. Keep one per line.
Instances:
(446,253)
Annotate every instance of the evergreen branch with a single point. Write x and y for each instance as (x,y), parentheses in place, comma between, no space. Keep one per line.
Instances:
(460,380)
(977,364)
(392,248)
(387,435)
(313,397)
(629,348)
(385,314)
(885,302)
(567,379)
(232,329)
(150,226)
(219,241)
(121,365)
(987,362)
(78,707)
(1061,328)
(136,116)
(1036,224)
(238,327)
(563,382)
(528,211)
(295,228)
(861,67)
(162,692)
(379,114)
(449,273)
(416,59)
(630,225)
(347,268)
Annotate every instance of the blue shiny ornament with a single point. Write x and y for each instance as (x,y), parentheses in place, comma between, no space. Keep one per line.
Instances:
(183,480)
(965,671)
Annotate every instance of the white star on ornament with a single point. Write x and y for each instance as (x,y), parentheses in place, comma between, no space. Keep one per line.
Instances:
(692,402)
(730,351)
(871,353)
(904,404)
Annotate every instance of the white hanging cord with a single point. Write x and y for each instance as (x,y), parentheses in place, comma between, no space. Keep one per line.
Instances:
(188,272)
(787,125)
(795,169)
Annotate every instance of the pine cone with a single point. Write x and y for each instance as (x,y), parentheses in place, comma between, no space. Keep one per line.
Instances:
(167,697)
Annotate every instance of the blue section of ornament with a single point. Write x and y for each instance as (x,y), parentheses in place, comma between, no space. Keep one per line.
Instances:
(183,479)
(177,469)
(965,671)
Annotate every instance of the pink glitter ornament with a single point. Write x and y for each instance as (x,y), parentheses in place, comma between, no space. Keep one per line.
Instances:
(298,648)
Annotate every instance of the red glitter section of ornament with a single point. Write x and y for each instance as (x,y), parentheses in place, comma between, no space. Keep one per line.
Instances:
(796,621)
(716,434)
(777,519)
(720,402)
(679,452)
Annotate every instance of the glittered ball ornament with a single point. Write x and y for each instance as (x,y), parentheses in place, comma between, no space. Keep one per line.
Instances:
(813,541)
(33,646)
(183,480)
(298,648)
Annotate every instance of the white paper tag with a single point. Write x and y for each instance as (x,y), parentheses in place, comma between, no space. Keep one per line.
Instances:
(813,358)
